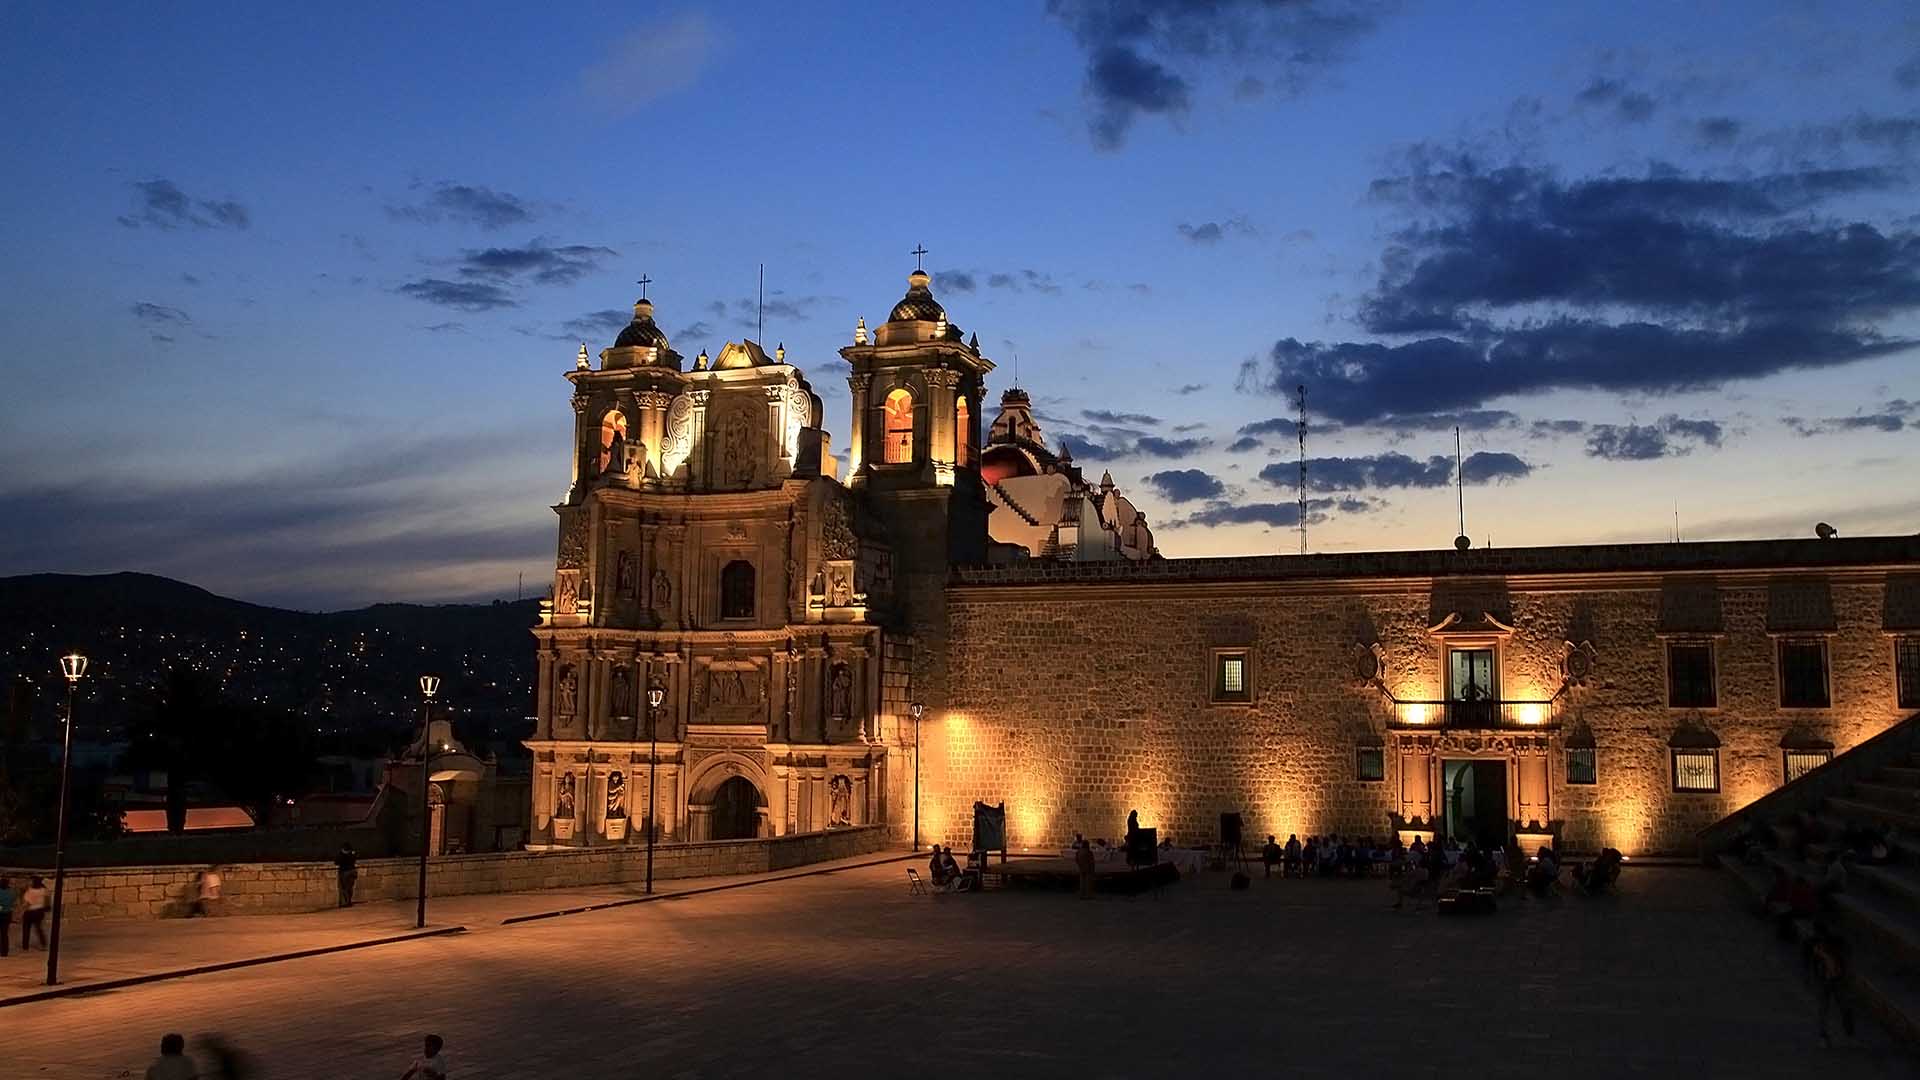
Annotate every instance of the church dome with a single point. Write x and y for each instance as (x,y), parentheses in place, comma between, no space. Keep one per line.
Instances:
(641,333)
(918,305)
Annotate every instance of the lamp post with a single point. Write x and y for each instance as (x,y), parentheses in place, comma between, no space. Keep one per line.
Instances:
(916,709)
(429,686)
(655,695)
(73,665)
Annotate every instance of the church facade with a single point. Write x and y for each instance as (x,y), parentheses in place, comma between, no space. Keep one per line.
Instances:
(788,608)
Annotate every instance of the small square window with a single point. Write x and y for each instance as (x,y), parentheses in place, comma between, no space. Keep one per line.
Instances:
(1582,766)
(1696,770)
(1232,680)
(1370,764)
(1803,673)
(1798,763)
(1906,670)
(1690,675)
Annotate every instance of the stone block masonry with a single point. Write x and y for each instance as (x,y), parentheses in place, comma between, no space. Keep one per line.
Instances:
(147,892)
(1078,692)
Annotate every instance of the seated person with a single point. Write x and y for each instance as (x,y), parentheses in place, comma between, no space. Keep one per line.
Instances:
(1310,856)
(936,867)
(955,880)
(1544,871)
(1270,855)
(1292,856)
(1602,872)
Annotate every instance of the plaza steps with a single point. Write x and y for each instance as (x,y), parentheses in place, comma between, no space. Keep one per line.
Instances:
(1879,911)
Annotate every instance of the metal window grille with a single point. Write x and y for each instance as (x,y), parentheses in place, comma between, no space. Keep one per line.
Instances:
(1906,667)
(1696,770)
(1582,766)
(1370,763)
(1690,676)
(1803,675)
(1798,763)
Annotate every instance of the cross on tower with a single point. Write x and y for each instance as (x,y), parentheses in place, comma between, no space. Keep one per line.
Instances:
(918,250)
(643,283)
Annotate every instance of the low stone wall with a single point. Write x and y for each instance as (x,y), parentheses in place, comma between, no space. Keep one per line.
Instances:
(287,887)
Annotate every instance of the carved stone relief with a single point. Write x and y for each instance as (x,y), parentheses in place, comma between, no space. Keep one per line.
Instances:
(564,805)
(840,790)
(616,796)
(566,691)
(840,584)
(836,531)
(625,578)
(622,691)
(662,600)
(566,592)
(840,693)
(573,539)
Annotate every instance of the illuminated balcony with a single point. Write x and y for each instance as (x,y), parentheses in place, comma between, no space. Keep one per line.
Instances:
(1487,714)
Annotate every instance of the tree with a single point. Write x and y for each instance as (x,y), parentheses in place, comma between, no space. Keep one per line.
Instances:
(168,732)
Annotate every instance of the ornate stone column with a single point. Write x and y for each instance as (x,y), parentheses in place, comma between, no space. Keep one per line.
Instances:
(698,467)
(857,438)
(652,405)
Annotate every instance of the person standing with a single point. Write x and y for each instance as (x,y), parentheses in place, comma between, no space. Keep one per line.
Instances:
(33,913)
(1083,861)
(429,1066)
(6,914)
(173,1062)
(346,865)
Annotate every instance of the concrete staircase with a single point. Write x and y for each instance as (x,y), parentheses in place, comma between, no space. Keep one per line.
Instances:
(1880,909)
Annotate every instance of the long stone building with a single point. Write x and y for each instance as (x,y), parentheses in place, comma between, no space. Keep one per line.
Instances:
(790,610)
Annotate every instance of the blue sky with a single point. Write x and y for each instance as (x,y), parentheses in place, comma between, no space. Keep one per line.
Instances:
(285,296)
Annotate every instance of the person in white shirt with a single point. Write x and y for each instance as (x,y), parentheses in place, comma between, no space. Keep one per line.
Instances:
(173,1062)
(428,1066)
(33,912)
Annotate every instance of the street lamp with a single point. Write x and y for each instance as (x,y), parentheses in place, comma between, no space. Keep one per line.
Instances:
(917,710)
(655,695)
(73,666)
(429,686)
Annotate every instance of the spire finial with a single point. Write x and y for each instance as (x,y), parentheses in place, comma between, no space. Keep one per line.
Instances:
(918,251)
(643,283)
(581,362)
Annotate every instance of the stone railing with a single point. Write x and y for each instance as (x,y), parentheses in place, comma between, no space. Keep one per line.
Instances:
(286,887)
(1891,747)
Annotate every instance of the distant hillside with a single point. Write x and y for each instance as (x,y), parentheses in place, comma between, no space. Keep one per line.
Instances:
(346,669)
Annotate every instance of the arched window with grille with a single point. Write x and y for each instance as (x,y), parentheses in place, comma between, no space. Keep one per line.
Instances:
(736,590)
(898,446)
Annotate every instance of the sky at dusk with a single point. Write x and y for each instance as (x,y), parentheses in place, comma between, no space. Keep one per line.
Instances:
(287,295)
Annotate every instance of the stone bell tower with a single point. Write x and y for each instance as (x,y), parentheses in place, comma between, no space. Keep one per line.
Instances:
(915,460)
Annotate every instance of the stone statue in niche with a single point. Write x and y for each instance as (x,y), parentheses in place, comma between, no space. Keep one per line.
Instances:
(839,586)
(733,688)
(624,578)
(633,467)
(616,796)
(622,691)
(840,693)
(566,690)
(616,465)
(563,800)
(566,593)
(840,798)
(662,591)
(736,455)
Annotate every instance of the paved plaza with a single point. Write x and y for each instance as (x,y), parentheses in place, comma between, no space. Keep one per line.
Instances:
(846,975)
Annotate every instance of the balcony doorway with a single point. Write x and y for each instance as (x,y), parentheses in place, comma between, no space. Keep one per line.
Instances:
(1474,791)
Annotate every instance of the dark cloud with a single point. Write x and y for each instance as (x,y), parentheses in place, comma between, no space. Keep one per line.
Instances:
(1104,416)
(1189,388)
(446,328)
(1278,515)
(1551,428)
(1614,95)
(1242,444)
(970,281)
(159,314)
(1665,282)
(598,325)
(189,279)
(160,204)
(694,331)
(1121,444)
(540,262)
(1279,425)
(1465,420)
(1146,57)
(1717,131)
(1893,416)
(1393,470)
(779,305)
(1670,436)
(957,281)
(1212,232)
(1186,485)
(469,204)
(459,295)
(1907,75)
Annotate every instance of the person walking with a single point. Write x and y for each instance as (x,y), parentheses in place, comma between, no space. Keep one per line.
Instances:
(33,913)
(173,1062)
(7,898)
(1083,861)
(345,864)
(206,893)
(428,1066)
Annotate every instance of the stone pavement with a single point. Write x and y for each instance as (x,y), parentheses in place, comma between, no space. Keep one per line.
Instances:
(106,950)
(847,975)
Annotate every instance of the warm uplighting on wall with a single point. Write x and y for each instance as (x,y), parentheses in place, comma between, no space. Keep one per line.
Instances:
(1530,714)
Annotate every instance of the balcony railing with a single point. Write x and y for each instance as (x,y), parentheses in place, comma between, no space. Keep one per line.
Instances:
(1486,714)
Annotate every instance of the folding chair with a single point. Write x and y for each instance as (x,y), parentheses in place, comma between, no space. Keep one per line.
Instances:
(916,887)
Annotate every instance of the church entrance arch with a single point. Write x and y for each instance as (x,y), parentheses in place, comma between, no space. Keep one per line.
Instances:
(736,810)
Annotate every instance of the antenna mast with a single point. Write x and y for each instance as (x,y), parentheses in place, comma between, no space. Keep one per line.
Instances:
(1300,430)
(762,332)
(1460,480)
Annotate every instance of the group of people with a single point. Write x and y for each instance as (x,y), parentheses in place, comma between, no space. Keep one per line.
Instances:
(1330,856)
(946,873)
(32,902)
(225,1062)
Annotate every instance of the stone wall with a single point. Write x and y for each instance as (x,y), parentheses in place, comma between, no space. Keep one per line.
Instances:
(1076,697)
(280,888)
